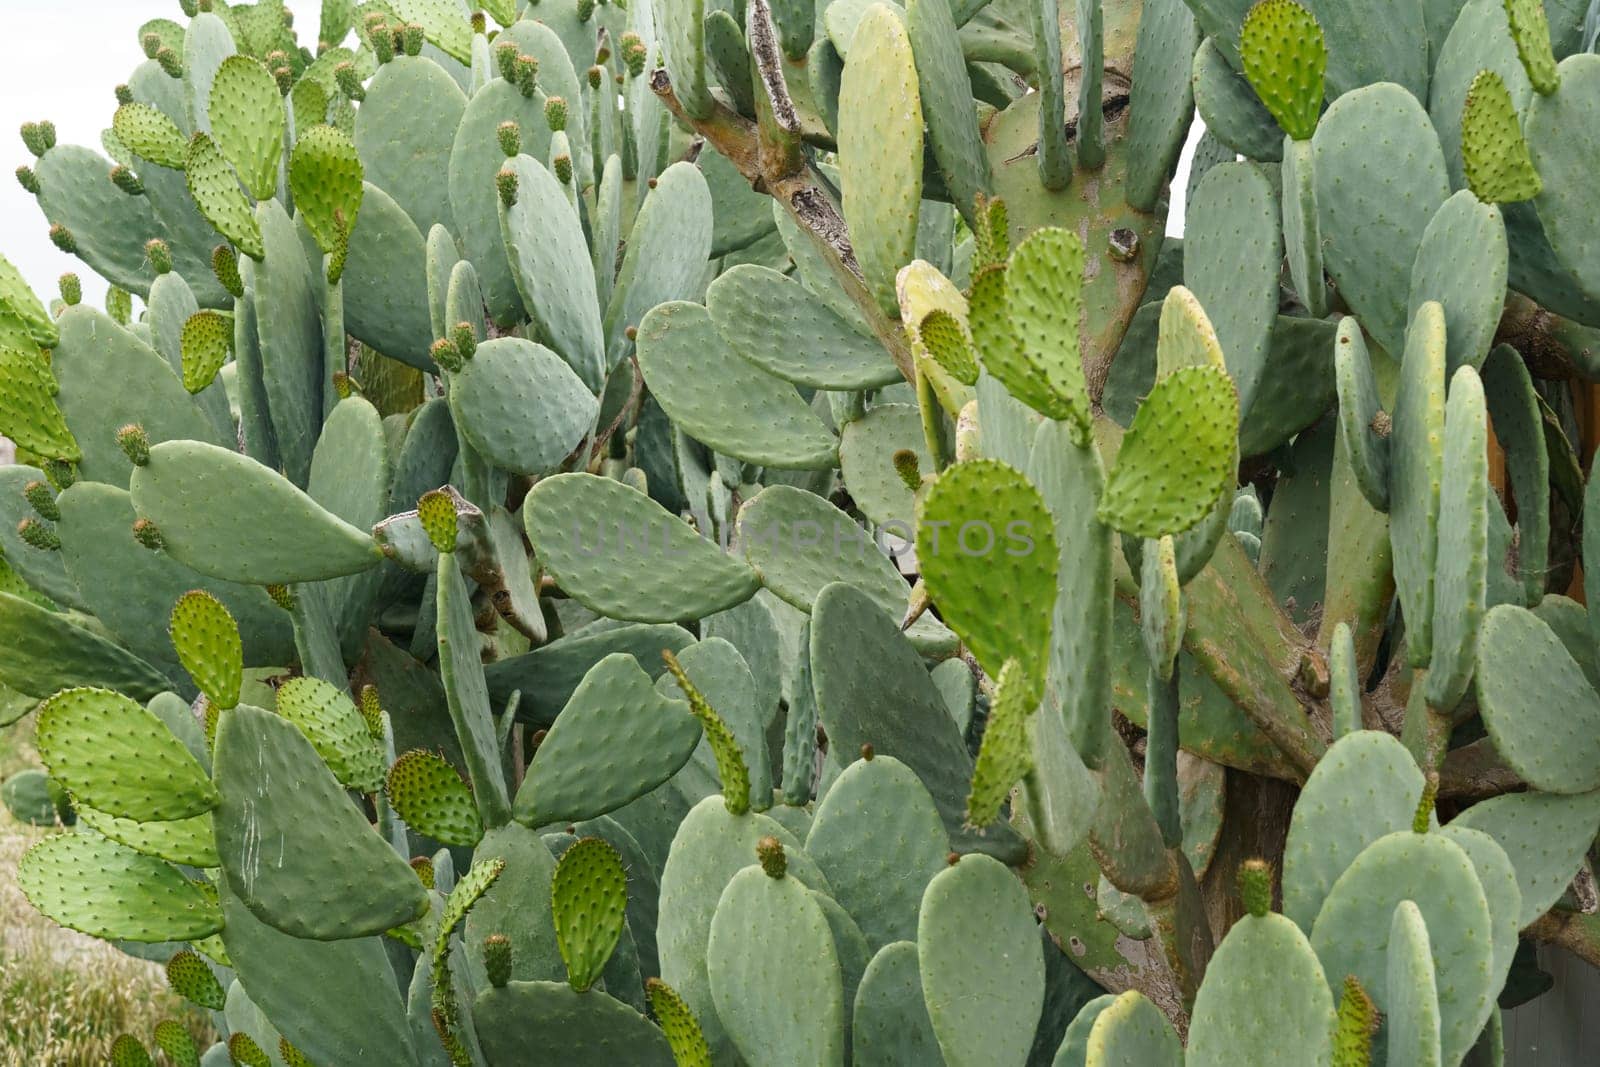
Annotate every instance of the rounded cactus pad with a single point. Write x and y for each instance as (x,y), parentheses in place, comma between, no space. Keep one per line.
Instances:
(497,959)
(150,135)
(191,978)
(588,898)
(176,1044)
(207,641)
(328,718)
(205,342)
(689,1048)
(1494,152)
(1285,58)
(105,889)
(244,1052)
(29,414)
(437,510)
(433,798)
(127,1051)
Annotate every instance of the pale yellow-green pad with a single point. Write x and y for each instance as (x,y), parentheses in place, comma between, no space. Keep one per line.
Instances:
(217,194)
(1493,151)
(1007,751)
(150,135)
(1285,58)
(1044,298)
(588,899)
(247,120)
(205,341)
(207,642)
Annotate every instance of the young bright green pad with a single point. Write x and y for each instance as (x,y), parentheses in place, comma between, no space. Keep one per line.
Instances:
(294,848)
(1007,751)
(1493,151)
(29,414)
(208,645)
(997,343)
(774,322)
(682,1029)
(205,342)
(1416,467)
(1530,29)
(254,527)
(217,194)
(587,898)
(1365,786)
(93,885)
(726,401)
(442,22)
(520,406)
(1536,703)
(880,149)
(326,177)
(247,120)
(115,755)
(616,739)
(405,130)
(1461,578)
(794,1013)
(1352,929)
(433,798)
(1376,155)
(890,1025)
(186,841)
(1411,1018)
(192,980)
(1283,54)
(732,758)
(1044,300)
(1543,835)
(1232,260)
(983,984)
(947,103)
(1462,263)
(1565,204)
(666,253)
(1178,457)
(878,838)
(335,728)
(150,135)
(986,544)
(545,242)
(619,553)
(569,1027)
(1359,423)
(1265,1000)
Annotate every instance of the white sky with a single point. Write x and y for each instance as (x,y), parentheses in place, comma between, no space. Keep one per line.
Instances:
(63,63)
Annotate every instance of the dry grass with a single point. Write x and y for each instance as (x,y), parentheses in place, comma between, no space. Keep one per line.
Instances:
(64,997)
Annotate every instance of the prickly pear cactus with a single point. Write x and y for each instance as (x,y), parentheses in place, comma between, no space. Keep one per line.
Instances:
(728,534)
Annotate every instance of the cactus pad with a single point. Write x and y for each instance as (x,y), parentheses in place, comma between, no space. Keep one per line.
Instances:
(29,414)
(1284,57)
(150,135)
(433,799)
(191,979)
(217,194)
(325,175)
(1493,151)
(96,886)
(520,406)
(678,1023)
(1007,753)
(208,645)
(588,896)
(247,120)
(1044,301)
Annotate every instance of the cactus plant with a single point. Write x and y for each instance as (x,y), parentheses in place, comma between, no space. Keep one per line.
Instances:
(671,533)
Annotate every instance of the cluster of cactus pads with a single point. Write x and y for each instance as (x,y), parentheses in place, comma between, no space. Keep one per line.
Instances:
(717,533)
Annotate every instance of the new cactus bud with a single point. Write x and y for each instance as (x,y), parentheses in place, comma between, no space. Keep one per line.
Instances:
(190,8)
(291,1056)
(595,76)
(283,74)
(413,36)
(1255,886)
(506,183)
(555,113)
(225,265)
(62,238)
(867,751)
(124,95)
(1430,793)
(173,1039)
(42,500)
(135,444)
(71,289)
(159,253)
(171,65)
(527,75)
(480,22)
(585,10)
(61,473)
(282,596)
(151,43)
(510,136)
(28,179)
(126,180)
(446,354)
(380,39)
(465,338)
(1358,1022)
(505,57)
(634,53)
(146,533)
(192,980)
(424,868)
(244,1052)
(372,712)
(344,385)
(126,1051)
(497,959)
(438,514)
(39,535)
(908,467)
(769,850)
(563,168)
(39,137)
(349,80)
(119,305)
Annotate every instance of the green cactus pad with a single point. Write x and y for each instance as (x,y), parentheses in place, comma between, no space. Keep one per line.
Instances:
(1462,263)
(385,282)
(732,757)
(878,838)
(1373,269)
(433,798)
(151,135)
(616,739)
(866,450)
(98,887)
(31,797)
(548,676)
(1461,578)
(775,323)
(1006,754)
(326,177)
(20,301)
(1283,55)
(1564,204)
(89,739)
(186,841)
(174,1041)
(666,253)
(1364,787)
(692,372)
(1360,418)
(191,979)
(1010,565)
(217,194)
(1520,428)
(1530,29)
(206,341)
(29,414)
(335,728)
(257,527)
(796,1012)
(984,985)
(545,242)
(1266,999)
(1232,260)
(520,406)
(1162,98)
(587,897)
(1161,616)
(42,651)
(208,645)
(946,92)
(880,149)
(107,226)
(247,121)
(1493,151)
(1411,1017)
(1499,882)
(1231,109)
(682,1029)
(1131,1029)
(1544,836)
(505,906)
(405,130)
(1536,703)
(1044,302)
(576,523)
(568,1026)
(891,1024)
(294,848)
(1417,461)
(1178,457)
(1352,929)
